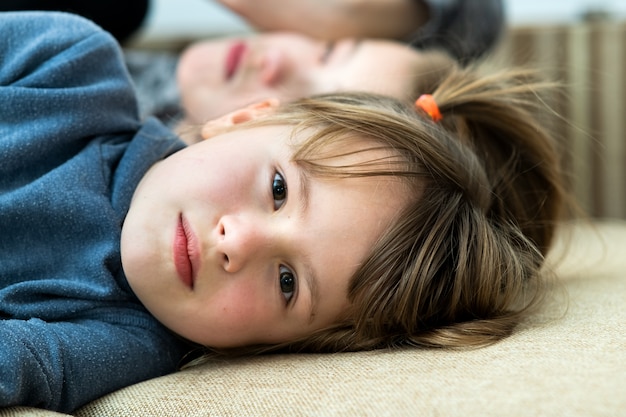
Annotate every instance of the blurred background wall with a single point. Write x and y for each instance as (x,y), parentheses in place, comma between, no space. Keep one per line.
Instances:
(190,18)
(582,44)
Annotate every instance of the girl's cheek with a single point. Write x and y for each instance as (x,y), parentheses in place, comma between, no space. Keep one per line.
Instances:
(241,313)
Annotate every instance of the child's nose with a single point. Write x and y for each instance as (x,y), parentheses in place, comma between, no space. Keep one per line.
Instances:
(272,66)
(241,242)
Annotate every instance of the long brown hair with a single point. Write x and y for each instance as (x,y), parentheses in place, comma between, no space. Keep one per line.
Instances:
(463,262)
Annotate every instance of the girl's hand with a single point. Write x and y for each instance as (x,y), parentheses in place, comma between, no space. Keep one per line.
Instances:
(333,19)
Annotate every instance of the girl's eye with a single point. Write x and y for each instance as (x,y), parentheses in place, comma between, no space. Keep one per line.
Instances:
(279,191)
(287,283)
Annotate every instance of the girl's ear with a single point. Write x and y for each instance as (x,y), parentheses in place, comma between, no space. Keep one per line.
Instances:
(260,109)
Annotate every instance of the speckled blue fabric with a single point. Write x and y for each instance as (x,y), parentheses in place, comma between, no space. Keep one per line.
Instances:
(72,151)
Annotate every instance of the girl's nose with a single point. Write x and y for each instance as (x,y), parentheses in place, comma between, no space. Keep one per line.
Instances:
(272,67)
(241,241)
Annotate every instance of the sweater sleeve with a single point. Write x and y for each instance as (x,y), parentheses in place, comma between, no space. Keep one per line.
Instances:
(37,359)
(467,29)
(62,82)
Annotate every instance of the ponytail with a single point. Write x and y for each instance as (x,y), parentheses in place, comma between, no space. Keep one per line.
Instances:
(500,119)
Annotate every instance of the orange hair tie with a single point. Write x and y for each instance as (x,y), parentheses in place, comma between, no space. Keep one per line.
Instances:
(427,103)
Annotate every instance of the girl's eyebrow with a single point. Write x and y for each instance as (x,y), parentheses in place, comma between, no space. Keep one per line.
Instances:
(310,277)
(303,191)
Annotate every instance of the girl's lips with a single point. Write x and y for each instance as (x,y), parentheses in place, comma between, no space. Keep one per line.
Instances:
(233,58)
(186,252)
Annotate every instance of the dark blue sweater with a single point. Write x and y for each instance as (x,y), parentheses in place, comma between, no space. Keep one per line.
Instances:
(72,151)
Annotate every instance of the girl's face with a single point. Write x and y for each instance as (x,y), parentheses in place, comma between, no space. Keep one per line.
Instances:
(229,243)
(218,76)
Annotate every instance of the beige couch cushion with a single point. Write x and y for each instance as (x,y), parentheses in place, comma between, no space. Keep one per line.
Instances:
(567,360)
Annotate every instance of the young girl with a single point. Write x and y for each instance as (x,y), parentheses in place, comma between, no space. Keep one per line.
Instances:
(340,222)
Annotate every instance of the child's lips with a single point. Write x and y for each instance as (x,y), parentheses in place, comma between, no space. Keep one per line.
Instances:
(186,252)
(233,58)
